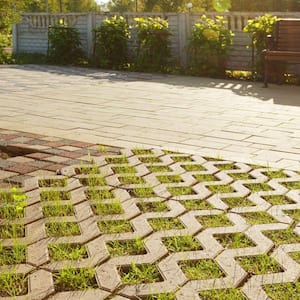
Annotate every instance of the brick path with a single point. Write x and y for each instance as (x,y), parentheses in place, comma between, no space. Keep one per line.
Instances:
(240,223)
(221,118)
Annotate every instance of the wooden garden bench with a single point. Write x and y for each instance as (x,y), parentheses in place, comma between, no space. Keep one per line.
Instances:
(283,47)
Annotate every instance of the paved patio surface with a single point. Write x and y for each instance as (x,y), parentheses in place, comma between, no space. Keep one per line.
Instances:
(233,120)
(143,224)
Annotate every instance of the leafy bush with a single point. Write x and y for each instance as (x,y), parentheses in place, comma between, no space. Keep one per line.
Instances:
(260,28)
(64,45)
(208,46)
(111,39)
(5,41)
(153,44)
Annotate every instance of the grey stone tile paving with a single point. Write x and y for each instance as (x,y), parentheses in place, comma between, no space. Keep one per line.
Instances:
(234,120)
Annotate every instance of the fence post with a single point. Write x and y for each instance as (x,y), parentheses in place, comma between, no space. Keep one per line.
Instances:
(183,25)
(90,27)
(15,38)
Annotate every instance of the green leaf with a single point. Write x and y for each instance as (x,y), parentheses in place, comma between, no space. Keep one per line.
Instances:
(221,5)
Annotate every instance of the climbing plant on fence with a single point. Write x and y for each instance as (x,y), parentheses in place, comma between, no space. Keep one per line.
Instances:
(111,43)
(153,44)
(64,45)
(208,46)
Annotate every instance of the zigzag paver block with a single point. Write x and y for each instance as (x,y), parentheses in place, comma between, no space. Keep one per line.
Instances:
(224,199)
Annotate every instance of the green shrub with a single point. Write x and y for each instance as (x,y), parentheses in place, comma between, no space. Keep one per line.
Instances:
(153,44)
(208,45)
(64,45)
(5,41)
(260,28)
(111,39)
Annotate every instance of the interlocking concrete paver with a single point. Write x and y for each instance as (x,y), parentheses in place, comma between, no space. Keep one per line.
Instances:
(229,111)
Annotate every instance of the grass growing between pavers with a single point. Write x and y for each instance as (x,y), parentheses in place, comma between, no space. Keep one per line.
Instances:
(53,182)
(115,226)
(181,243)
(258,217)
(70,279)
(205,177)
(57,229)
(295,256)
(283,291)
(169,178)
(226,167)
(196,204)
(150,160)
(283,236)
(131,180)
(53,195)
(234,240)
(112,208)
(93,181)
(201,269)
(58,210)
(221,188)
(259,264)
(87,170)
(181,190)
(159,224)
(240,176)
(12,231)
(116,160)
(142,192)
(126,247)
(159,169)
(99,194)
(59,252)
(13,255)
(153,206)
(176,158)
(13,284)
(278,199)
(237,202)
(275,174)
(293,185)
(293,213)
(222,294)
(214,220)
(138,274)
(139,151)
(124,169)
(258,187)
(193,167)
